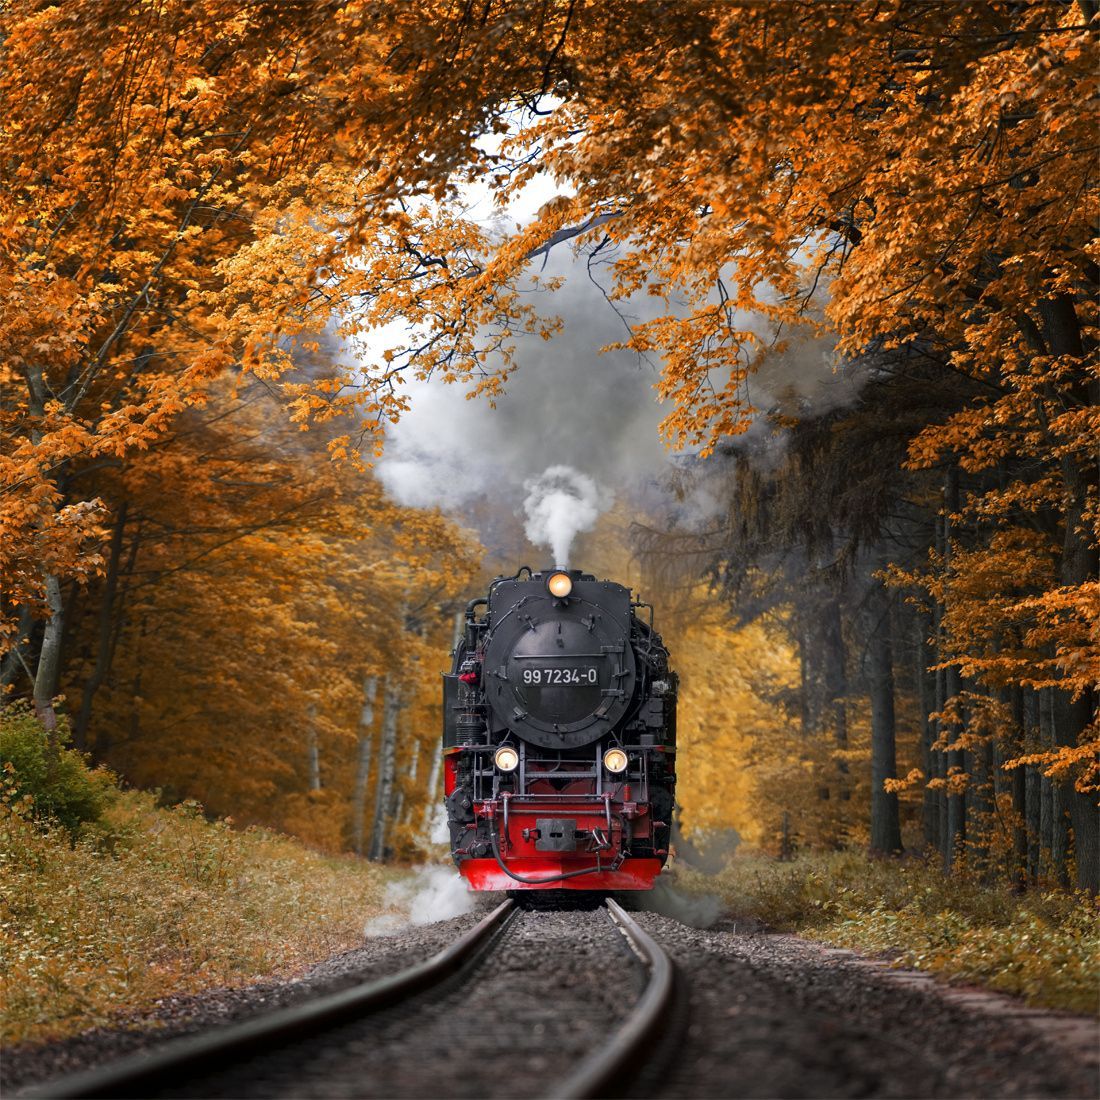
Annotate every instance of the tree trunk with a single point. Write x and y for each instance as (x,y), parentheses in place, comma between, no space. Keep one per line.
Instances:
(807,693)
(942,731)
(362,768)
(387,759)
(48,672)
(313,751)
(1033,784)
(1061,801)
(1080,564)
(982,796)
(836,689)
(436,768)
(885,826)
(1086,838)
(432,785)
(956,758)
(1034,824)
(1061,794)
(1046,813)
(926,692)
(1018,782)
(104,634)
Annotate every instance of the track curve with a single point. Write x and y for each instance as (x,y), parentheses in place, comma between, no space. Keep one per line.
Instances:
(625,1052)
(151,1072)
(541,990)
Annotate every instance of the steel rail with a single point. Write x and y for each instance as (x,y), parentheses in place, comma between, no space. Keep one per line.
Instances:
(142,1074)
(608,1065)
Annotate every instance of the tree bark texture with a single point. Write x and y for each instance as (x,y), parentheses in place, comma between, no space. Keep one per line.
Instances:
(432,785)
(1032,784)
(885,825)
(956,758)
(1080,564)
(836,688)
(313,751)
(48,672)
(105,630)
(362,765)
(939,756)
(387,762)
(926,692)
(458,633)
(1017,779)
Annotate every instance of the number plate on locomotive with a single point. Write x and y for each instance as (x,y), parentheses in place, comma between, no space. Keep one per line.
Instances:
(550,676)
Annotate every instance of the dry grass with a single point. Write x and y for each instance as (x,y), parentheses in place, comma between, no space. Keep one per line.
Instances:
(149,901)
(1041,946)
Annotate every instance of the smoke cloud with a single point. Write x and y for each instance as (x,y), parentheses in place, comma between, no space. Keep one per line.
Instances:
(561,502)
(431,894)
(568,404)
(694,910)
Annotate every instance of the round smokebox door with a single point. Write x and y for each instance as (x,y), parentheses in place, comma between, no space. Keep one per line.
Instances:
(556,674)
(559,676)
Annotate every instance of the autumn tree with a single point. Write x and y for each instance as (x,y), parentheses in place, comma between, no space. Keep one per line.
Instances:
(925,173)
(188,196)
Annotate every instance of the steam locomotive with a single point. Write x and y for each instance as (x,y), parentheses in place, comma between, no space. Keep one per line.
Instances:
(559,737)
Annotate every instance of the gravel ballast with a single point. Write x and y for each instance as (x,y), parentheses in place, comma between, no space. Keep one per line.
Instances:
(759,1015)
(776,1016)
(555,983)
(192,1013)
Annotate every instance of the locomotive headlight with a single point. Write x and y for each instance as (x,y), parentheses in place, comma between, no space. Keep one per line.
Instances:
(560,585)
(506,758)
(614,760)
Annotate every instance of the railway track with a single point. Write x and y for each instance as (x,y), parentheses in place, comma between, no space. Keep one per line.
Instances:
(340,1055)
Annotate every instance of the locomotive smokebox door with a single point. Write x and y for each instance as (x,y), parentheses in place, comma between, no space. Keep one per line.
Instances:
(556,834)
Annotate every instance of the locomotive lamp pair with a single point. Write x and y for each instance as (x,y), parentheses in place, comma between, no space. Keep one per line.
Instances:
(507,759)
(559,737)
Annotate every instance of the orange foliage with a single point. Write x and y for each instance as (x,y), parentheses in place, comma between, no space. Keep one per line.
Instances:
(194,193)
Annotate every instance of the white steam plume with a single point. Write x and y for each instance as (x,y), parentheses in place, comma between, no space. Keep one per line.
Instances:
(599,412)
(561,503)
(430,894)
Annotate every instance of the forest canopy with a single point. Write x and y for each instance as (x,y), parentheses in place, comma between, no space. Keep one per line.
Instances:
(198,196)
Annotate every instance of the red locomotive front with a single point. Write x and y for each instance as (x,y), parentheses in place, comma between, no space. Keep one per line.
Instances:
(559,735)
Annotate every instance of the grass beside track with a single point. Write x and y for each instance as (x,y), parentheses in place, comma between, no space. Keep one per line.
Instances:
(150,902)
(1041,946)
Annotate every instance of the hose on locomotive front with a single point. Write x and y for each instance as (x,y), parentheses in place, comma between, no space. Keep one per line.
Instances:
(536,881)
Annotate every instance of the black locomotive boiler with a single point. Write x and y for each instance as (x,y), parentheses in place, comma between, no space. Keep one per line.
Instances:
(559,737)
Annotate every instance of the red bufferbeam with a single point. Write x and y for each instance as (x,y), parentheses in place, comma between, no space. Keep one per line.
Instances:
(486,874)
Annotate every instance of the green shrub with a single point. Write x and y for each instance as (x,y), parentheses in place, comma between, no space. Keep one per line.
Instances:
(47,784)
